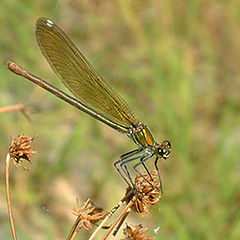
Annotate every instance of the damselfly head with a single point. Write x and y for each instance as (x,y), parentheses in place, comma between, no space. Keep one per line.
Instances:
(164,149)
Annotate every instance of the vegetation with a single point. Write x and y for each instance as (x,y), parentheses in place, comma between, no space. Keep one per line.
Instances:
(177,64)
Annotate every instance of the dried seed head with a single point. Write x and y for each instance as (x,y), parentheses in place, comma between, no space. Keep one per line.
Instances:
(135,233)
(88,214)
(147,192)
(20,149)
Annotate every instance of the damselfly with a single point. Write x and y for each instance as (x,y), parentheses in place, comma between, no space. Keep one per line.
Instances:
(95,97)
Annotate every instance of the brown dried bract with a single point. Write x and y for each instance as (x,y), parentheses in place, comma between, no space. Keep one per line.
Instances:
(136,233)
(20,149)
(148,192)
(88,214)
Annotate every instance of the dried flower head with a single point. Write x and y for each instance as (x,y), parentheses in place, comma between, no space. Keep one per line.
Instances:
(88,214)
(147,192)
(135,233)
(20,149)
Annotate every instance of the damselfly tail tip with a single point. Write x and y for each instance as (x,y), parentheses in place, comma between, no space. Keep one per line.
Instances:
(10,65)
(15,68)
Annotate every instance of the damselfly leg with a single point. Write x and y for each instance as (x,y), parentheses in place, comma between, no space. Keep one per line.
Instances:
(159,177)
(121,165)
(124,157)
(142,162)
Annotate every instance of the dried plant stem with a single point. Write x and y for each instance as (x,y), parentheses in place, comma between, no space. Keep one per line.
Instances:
(120,224)
(75,234)
(73,231)
(119,218)
(101,225)
(110,214)
(12,108)
(9,197)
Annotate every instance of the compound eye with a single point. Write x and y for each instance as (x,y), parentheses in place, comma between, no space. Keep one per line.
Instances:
(166,144)
(166,153)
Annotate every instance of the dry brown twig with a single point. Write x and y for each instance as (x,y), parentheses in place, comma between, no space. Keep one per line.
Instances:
(26,111)
(147,193)
(87,215)
(12,108)
(126,210)
(20,149)
(109,214)
(17,107)
(120,224)
(136,233)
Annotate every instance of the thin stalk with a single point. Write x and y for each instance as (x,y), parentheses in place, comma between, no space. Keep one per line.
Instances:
(9,198)
(12,108)
(73,231)
(118,219)
(109,215)
(120,223)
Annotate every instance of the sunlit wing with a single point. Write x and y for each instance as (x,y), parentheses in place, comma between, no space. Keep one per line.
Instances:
(79,76)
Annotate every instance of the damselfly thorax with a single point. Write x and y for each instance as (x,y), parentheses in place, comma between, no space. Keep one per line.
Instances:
(143,137)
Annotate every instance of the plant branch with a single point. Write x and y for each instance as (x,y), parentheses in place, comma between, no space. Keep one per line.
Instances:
(9,197)
(118,219)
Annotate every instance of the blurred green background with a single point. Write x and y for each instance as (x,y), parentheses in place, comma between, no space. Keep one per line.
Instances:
(177,64)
